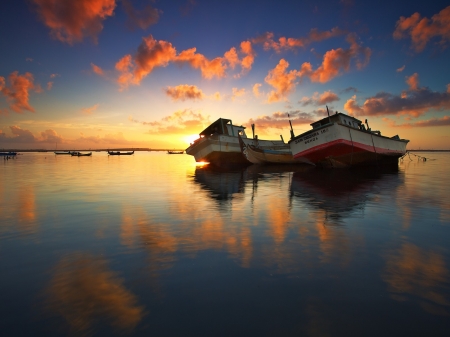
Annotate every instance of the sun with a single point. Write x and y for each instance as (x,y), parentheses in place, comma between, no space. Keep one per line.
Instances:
(190,139)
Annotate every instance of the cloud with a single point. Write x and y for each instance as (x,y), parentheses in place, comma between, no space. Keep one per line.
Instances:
(209,68)
(29,59)
(184,92)
(256,91)
(17,93)
(399,70)
(413,102)
(180,122)
(237,93)
(349,89)
(280,120)
(49,85)
(188,7)
(97,70)
(322,99)
(71,21)
(283,43)
(90,110)
(283,82)
(433,122)
(20,135)
(337,60)
(422,30)
(140,18)
(413,81)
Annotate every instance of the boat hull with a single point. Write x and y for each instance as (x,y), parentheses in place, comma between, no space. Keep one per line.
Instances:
(225,151)
(337,145)
(265,157)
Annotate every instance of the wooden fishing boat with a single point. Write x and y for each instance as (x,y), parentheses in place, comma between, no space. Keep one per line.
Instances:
(340,140)
(219,145)
(63,152)
(79,154)
(256,155)
(118,153)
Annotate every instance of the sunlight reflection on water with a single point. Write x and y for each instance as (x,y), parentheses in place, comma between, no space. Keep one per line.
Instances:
(157,244)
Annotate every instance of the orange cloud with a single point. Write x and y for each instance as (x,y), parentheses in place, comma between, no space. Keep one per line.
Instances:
(422,30)
(232,57)
(180,122)
(237,93)
(256,91)
(284,43)
(399,70)
(49,85)
(140,18)
(17,93)
(336,60)
(71,21)
(413,81)
(209,68)
(184,92)
(316,99)
(247,61)
(25,136)
(97,70)
(90,110)
(282,81)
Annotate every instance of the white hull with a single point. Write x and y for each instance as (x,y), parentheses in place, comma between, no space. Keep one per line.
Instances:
(339,145)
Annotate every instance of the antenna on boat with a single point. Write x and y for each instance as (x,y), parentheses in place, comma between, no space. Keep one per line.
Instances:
(292,130)
(328,112)
(367,125)
(253,130)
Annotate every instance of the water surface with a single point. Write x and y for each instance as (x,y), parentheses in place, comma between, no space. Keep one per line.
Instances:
(153,244)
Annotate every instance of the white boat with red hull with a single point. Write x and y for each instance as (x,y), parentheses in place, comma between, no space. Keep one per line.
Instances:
(340,140)
(219,145)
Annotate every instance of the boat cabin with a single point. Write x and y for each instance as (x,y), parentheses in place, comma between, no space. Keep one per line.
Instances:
(343,119)
(224,126)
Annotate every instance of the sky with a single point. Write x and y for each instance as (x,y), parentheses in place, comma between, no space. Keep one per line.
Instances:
(95,74)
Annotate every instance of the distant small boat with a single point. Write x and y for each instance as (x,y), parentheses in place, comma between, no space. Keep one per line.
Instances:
(8,153)
(79,154)
(64,152)
(118,153)
(175,152)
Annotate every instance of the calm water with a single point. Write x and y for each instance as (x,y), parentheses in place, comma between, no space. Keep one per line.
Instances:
(155,245)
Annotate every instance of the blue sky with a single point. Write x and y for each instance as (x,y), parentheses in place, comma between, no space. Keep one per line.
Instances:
(106,73)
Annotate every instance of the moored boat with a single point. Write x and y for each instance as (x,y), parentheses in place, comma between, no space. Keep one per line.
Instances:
(8,154)
(175,152)
(64,152)
(118,153)
(219,145)
(256,155)
(80,154)
(340,140)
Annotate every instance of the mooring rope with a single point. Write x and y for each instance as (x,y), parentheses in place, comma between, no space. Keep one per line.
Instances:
(418,157)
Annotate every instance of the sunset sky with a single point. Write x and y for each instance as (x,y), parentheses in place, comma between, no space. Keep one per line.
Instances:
(134,73)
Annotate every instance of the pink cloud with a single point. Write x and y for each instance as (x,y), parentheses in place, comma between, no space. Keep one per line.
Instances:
(411,102)
(432,122)
(49,85)
(71,21)
(399,70)
(17,93)
(140,18)
(184,92)
(282,81)
(322,99)
(280,120)
(422,30)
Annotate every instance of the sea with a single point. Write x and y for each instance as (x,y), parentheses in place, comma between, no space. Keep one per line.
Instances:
(154,244)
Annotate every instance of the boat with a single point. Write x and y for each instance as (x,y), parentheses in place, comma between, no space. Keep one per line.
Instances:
(118,153)
(175,152)
(8,154)
(219,145)
(340,140)
(79,154)
(256,155)
(64,152)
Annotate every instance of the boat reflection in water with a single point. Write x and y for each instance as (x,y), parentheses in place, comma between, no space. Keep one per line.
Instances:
(340,194)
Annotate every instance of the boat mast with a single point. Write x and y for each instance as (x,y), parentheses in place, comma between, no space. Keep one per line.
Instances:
(292,130)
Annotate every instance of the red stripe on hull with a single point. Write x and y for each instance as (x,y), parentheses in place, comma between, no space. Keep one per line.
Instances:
(343,152)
